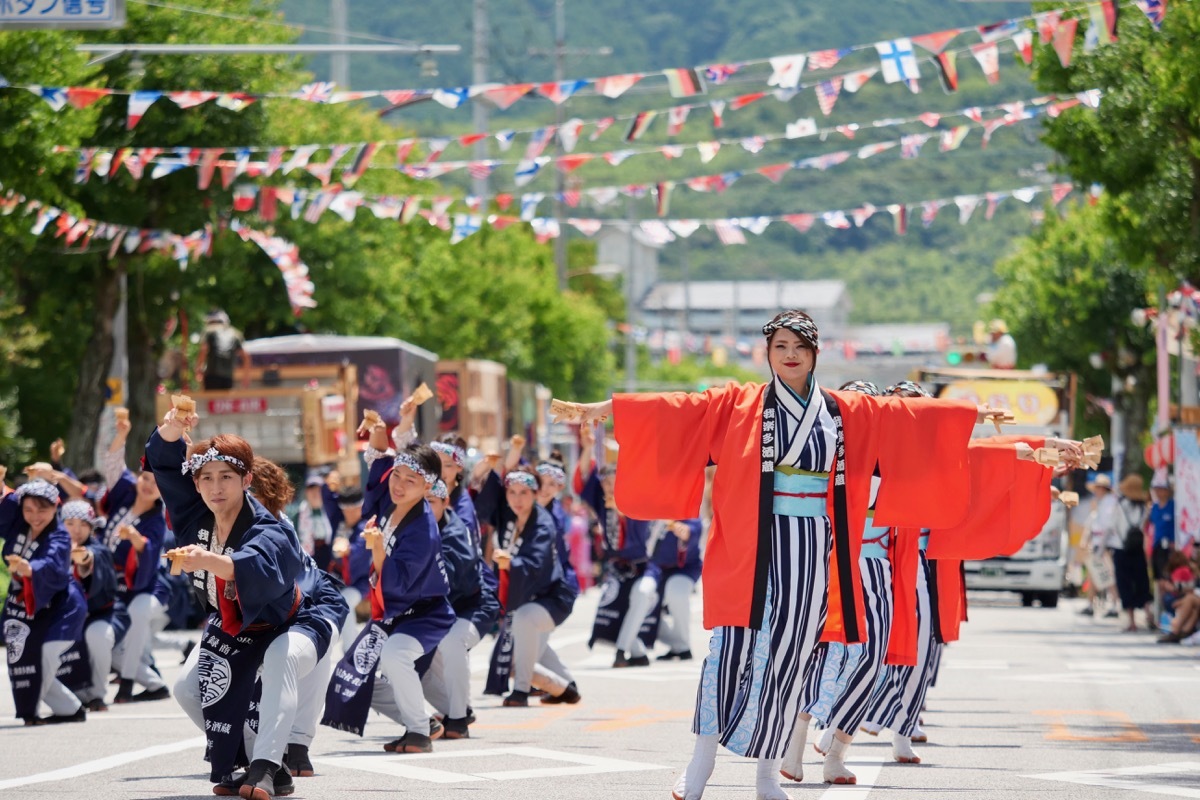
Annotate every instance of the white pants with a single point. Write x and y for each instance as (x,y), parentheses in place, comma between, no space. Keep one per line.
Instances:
(447,682)
(398,664)
(54,694)
(641,603)
(675,629)
(534,660)
(100,638)
(312,695)
(130,656)
(351,629)
(288,661)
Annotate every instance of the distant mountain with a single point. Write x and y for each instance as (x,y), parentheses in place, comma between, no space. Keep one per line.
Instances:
(928,274)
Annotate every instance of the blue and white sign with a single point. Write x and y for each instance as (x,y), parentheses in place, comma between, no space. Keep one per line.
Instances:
(62,14)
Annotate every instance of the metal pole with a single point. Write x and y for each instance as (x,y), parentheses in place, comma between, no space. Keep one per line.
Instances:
(630,315)
(339,63)
(479,111)
(1118,430)
(261,49)
(687,287)
(560,54)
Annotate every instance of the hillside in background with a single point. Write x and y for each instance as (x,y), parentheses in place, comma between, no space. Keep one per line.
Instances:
(928,274)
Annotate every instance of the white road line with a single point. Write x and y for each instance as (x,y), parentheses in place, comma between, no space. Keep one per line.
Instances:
(1136,779)
(867,772)
(101,764)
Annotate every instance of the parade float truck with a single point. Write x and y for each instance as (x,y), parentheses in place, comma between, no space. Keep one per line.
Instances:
(1042,403)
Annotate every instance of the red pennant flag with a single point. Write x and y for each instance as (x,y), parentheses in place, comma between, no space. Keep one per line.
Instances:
(675,118)
(1023,41)
(504,96)
(403,149)
(948,70)
(774,172)
(1110,11)
(208,163)
(742,101)
(988,56)
(82,98)
(931,119)
(1047,24)
(718,112)
(801,222)
(614,86)
(936,42)
(573,162)
(601,126)
(1059,191)
(1064,40)
(504,201)
(469,139)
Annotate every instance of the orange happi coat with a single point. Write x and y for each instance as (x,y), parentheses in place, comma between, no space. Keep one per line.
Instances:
(667,441)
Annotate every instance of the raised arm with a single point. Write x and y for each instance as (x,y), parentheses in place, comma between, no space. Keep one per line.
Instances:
(165,454)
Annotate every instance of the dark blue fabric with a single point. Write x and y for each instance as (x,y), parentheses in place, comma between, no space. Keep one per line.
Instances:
(100,587)
(669,549)
(472,585)
(117,502)
(413,570)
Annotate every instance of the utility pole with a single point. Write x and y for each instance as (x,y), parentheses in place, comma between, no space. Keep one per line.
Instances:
(560,53)
(479,109)
(339,63)
(630,305)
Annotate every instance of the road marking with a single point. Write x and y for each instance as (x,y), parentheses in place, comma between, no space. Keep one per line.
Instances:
(867,773)
(539,722)
(637,717)
(1060,730)
(1100,666)
(1100,678)
(1182,722)
(1134,778)
(975,664)
(101,764)
(414,766)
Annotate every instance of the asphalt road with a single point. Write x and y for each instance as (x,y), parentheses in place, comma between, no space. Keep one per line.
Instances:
(1032,702)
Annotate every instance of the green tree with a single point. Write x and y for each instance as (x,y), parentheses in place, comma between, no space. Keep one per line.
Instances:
(1067,294)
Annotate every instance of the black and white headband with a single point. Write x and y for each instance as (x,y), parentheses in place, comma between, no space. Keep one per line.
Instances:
(800,324)
(439,490)
(521,479)
(194,464)
(865,387)
(410,461)
(907,389)
(38,488)
(78,509)
(457,453)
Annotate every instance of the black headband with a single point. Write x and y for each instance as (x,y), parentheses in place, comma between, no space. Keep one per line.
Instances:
(907,389)
(866,387)
(799,324)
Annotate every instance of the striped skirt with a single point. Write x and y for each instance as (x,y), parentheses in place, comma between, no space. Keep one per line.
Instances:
(840,696)
(752,681)
(900,691)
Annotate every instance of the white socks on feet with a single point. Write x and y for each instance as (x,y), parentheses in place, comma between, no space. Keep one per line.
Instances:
(902,750)
(835,763)
(793,761)
(767,782)
(826,742)
(691,783)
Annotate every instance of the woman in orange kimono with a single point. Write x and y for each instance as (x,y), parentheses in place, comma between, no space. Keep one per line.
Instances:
(794,465)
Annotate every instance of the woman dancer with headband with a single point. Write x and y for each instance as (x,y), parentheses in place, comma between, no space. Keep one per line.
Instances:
(794,464)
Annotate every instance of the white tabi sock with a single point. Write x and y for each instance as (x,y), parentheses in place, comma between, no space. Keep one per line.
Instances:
(793,761)
(919,735)
(767,781)
(835,763)
(825,742)
(691,783)
(902,750)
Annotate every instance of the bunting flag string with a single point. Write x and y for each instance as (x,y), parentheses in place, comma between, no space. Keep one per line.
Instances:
(283,160)
(311,204)
(897,60)
(733,230)
(82,232)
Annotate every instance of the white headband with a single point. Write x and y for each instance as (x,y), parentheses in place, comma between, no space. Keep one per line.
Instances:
(522,478)
(78,509)
(457,453)
(38,488)
(410,461)
(439,490)
(553,472)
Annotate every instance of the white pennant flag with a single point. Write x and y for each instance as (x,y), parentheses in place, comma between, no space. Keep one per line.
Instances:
(683,228)
(801,128)
(707,151)
(787,71)
(568,134)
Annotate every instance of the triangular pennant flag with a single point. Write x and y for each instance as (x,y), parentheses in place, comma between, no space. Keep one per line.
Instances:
(753,144)
(936,42)
(603,195)
(861,215)
(684,82)
(190,99)
(849,131)
(505,140)
(234,101)
(988,56)
(683,228)
(465,225)
(208,163)
(931,119)
(639,125)
(1058,191)
(80,97)
(947,64)
(573,162)
(897,60)
(875,149)
(718,112)
(836,219)
(997,30)
(403,149)
(1047,23)
(993,200)
(539,140)
(675,118)
(899,218)
(1155,11)
(1026,194)
(662,197)
(316,92)
(910,144)
(671,151)
(55,96)
(1064,40)
(826,59)
(801,128)
(856,80)
(756,225)
(468,139)
(558,93)
(139,102)
(568,134)
(527,170)
(1023,42)
(728,232)
(929,211)
(720,73)
(774,172)
(827,94)
(601,126)
(786,71)
(504,96)
(613,86)
(801,222)
(966,207)
(953,138)
(991,126)
(358,166)
(741,101)
(401,98)
(707,151)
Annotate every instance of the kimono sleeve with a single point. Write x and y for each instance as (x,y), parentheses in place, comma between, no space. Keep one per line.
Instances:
(490,500)
(923,458)
(376,500)
(905,555)
(265,568)
(590,490)
(178,490)
(532,566)
(459,555)
(102,583)
(667,441)
(51,565)
(414,554)
(10,517)
(983,532)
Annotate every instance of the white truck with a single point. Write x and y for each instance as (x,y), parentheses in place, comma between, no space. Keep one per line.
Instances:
(1042,403)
